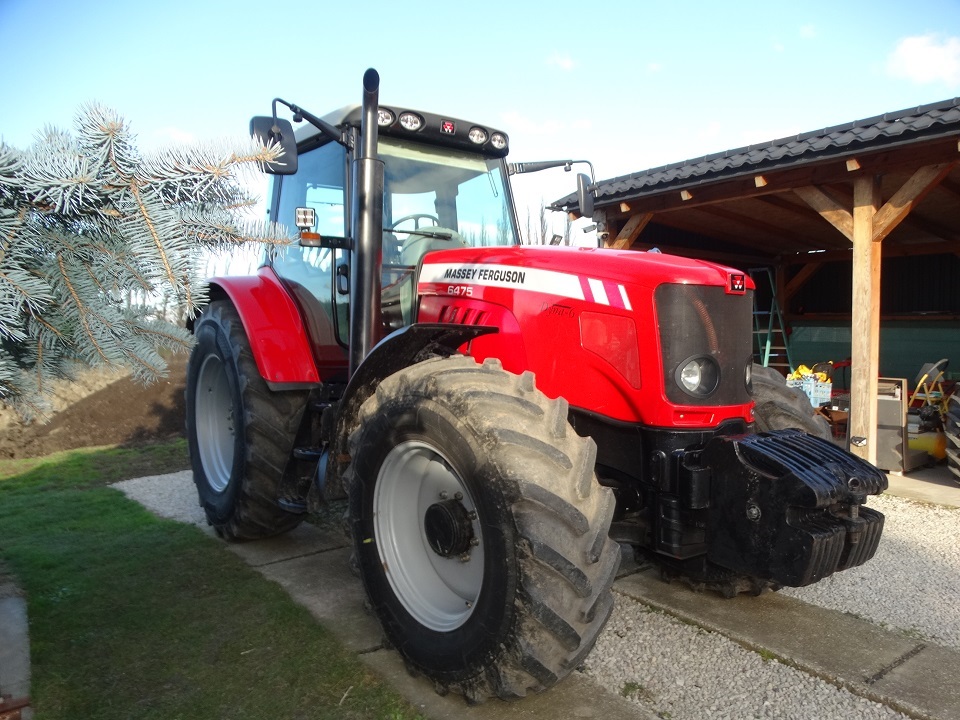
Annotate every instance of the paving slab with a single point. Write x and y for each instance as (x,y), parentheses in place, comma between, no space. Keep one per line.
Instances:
(577,696)
(14,643)
(14,652)
(924,684)
(313,565)
(303,540)
(884,666)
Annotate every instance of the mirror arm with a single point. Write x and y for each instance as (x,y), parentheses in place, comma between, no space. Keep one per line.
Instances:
(299,115)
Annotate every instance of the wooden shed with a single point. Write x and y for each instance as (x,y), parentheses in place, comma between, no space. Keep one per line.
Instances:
(858,224)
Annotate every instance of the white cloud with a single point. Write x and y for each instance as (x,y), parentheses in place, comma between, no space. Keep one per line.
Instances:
(564,62)
(654,67)
(808,32)
(926,59)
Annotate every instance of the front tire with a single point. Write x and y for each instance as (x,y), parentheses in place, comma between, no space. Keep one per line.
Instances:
(240,433)
(479,527)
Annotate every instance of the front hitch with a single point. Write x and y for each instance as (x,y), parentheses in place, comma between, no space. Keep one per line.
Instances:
(791,506)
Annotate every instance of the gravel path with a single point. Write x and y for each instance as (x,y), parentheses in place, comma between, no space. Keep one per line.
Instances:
(912,583)
(678,671)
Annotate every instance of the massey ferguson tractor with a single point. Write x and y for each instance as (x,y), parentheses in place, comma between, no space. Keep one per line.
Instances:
(501,417)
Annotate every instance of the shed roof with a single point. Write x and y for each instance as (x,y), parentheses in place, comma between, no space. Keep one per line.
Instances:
(889,130)
(752,204)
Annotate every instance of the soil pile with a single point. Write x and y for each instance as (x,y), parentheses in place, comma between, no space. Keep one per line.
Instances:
(102,408)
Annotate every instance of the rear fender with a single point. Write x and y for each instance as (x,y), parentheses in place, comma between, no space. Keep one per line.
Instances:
(273,325)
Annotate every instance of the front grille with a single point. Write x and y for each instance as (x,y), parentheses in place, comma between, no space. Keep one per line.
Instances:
(696,321)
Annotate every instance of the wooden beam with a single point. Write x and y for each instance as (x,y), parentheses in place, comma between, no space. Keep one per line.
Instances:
(631,231)
(865,341)
(889,250)
(844,193)
(829,209)
(906,198)
(778,234)
(799,280)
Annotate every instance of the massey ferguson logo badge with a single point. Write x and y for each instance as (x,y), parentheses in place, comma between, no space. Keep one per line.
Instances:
(738,284)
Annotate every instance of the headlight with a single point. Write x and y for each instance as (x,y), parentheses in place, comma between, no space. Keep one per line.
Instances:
(698,376)
(477,135)
(410,121)
(384,117)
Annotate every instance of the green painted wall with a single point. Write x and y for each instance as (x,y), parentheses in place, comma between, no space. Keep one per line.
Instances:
(904,345)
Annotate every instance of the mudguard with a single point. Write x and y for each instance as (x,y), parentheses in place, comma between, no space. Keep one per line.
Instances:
(274,327)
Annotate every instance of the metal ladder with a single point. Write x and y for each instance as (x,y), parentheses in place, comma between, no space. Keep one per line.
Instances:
(771,348)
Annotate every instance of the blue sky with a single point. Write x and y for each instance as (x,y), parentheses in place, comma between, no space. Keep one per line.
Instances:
(628,85)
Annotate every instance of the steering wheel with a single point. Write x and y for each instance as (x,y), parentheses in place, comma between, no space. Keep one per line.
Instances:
(416,217)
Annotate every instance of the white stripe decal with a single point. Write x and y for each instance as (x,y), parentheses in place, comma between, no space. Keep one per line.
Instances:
(599,294)
(506,276)
(548,282)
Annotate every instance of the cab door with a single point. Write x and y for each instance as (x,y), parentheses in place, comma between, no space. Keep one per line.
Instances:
(309,273)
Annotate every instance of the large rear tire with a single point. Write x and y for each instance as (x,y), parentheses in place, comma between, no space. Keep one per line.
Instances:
(240,433)
(480,530)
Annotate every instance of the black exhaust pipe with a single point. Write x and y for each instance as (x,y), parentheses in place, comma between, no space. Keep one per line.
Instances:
(367,231)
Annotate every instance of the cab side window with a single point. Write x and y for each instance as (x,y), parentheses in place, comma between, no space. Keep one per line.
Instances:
(318,184)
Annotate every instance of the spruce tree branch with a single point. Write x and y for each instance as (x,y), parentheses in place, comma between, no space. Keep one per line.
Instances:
(154,235)
(81,311)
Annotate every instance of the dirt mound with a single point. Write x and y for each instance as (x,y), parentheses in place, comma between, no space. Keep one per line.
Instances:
(121,412)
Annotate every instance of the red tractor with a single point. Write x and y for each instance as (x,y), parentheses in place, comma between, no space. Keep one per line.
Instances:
(501,416)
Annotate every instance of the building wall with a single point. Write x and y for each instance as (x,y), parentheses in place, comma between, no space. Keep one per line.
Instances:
(904,345)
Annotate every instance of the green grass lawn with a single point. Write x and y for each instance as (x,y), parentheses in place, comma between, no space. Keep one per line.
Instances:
(132,616)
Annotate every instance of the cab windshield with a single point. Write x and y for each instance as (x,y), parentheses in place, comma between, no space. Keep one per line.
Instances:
(438,198)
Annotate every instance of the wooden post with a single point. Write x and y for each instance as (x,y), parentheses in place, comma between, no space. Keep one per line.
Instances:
(865,350)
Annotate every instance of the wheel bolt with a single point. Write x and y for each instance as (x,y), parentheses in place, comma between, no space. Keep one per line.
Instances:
(465,558)
(458,496)
(474,541)
(444,495)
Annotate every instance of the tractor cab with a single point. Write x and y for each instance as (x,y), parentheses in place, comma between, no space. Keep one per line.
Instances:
(444,187)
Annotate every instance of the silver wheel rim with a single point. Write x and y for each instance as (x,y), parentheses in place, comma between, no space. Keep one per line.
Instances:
(215,423)
(439,592)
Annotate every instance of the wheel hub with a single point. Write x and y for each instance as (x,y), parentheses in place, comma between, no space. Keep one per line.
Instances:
(448,528)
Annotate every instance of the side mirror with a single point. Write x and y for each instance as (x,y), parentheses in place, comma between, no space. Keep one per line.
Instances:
(269,130)
(585,195)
